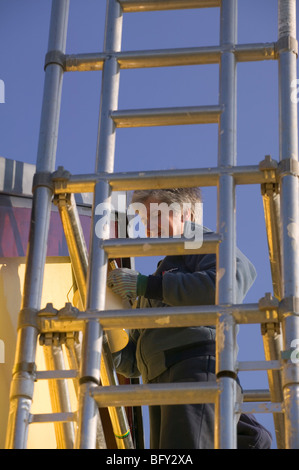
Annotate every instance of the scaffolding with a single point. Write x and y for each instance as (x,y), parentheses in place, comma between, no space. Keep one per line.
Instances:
(277,314)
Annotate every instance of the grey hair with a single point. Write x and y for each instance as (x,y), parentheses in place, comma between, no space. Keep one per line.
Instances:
(176,195)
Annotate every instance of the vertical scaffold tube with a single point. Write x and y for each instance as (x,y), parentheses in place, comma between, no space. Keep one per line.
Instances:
(288,138)
(23,376)
(225,435)
(97,269)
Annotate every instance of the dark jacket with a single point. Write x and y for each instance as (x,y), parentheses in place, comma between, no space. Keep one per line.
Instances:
(178,281)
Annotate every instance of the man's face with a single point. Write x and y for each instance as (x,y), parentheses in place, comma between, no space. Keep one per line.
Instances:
(163,220)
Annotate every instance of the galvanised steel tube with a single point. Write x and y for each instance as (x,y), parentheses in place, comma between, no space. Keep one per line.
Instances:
(23,379)
(126,247)
(167,116)
(169,57)
(272,338)
(130,6)
(225,435)
(157,394)
(126,181)
(288,149)
(172,317)
(97,272)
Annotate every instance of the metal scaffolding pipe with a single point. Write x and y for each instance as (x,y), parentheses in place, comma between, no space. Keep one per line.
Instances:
(23,378)
(156,394)
(97,268)
(131,6)
(271,333)
(288,154)
(127,181)
(226,345)
(155,318)
(126,247)
(86,62)
(166,116)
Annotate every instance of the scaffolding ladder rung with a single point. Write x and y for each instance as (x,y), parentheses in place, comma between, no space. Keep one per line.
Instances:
(159,318)
(56,374)
(131,6)
(87,62)
(53,417)
(176,116)
(259,365)
(256,395)
(177,57)
(155,394)
(261,408)
(126,247)
(127,181)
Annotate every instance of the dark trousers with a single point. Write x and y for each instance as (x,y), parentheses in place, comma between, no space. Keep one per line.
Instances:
(192,426)
(184,426)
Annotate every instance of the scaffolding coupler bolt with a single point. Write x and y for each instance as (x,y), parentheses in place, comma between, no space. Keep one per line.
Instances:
(268,302)
(60,177)
(52,339)
(48,311)
(68,312)
(269,168)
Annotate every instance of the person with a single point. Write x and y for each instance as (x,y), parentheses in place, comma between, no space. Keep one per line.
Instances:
(178,354)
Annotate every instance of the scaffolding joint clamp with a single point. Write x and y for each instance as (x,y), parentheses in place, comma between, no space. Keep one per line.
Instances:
(227,373)
(62,199)
(268,302)
(27,317)
(42,179)
(269,189)
(288,166)
(286,44)
(29,367)
(55,57)
(52,339)
(270,328)
(60,177)
(269,167)
(289,306)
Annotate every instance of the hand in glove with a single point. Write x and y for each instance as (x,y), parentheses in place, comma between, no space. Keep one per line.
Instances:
(127,283)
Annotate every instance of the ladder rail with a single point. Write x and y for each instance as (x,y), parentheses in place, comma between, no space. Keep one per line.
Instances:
(288,154)
(23,382)
(98,260)
(225,433)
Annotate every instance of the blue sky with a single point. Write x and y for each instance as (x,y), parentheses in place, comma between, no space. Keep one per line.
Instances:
(24,37)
